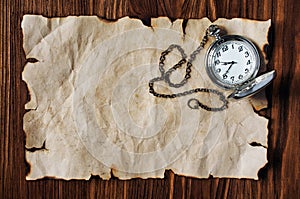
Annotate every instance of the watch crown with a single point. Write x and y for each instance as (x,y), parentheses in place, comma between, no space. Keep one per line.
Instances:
(213,31)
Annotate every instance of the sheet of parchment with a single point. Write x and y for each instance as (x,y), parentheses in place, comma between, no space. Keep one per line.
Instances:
(90,111)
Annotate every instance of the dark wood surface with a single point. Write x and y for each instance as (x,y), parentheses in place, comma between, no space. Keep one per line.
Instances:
(278,179)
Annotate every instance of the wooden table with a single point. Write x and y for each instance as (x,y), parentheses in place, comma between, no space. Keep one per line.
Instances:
(278,179)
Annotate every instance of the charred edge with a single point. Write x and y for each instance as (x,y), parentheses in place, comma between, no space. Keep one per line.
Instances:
(31,60)
(184,25)
(34,149)
(147,22)
(107,20)
(263,172)
(263,112)
(269,48)
(172,19)
(97,177)
(28,96)
(266,49)
(112,175)
(255,144)
(27,168)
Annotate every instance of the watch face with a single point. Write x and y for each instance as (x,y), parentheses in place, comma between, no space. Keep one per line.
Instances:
(231,61)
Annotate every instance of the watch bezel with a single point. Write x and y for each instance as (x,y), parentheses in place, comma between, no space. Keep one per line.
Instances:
(214,46)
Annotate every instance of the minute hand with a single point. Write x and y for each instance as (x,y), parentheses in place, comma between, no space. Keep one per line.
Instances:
(233,62)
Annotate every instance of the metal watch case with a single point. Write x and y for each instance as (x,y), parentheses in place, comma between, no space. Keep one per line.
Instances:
(215,45)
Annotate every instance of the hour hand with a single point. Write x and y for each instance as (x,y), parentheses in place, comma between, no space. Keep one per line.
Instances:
(230,62)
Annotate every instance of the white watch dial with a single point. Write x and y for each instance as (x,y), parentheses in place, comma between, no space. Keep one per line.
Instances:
(232,62)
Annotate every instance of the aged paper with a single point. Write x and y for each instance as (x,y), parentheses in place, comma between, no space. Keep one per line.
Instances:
(91,113)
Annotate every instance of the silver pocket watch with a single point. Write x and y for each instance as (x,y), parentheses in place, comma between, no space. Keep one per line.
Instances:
(232,62)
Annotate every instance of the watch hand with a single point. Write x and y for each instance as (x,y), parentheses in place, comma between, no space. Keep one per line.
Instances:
(233,62)
(225,63)
(230,62)
(228,69)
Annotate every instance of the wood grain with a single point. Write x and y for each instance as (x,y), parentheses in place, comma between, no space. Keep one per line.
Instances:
(279,178)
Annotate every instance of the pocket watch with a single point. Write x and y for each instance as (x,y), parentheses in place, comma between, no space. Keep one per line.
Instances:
(232,62)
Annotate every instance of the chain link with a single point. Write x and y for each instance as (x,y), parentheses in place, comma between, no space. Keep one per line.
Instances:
(193,103)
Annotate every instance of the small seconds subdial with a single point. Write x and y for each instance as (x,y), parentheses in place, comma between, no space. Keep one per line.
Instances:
(233,62)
